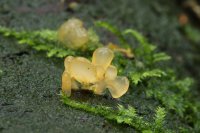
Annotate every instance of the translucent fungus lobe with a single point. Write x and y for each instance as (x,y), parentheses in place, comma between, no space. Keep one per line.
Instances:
(118,86)
(82,71)
(102,57)
(72,34)
(111,73)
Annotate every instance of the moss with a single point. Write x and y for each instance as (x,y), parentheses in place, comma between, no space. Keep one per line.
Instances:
(122,115)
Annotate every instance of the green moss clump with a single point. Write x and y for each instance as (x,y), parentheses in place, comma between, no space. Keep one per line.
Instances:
(123,115)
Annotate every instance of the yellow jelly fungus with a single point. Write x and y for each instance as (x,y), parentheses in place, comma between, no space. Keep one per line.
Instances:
(67,62)
(100,72)
(127,52)
(74,84)
(73,5)
(66,83)
(96,76)
(72,34)
(83,59)
(99,88)
(82,71)
(111,73)
(102,57)
(118,86)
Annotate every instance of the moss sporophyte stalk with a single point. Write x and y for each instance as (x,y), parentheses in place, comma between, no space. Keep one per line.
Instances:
(147,77)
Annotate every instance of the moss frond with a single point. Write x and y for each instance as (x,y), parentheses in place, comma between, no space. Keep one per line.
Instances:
(123,115)
(139,76)
(160,117)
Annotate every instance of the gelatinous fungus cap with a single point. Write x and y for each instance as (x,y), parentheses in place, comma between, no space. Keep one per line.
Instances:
(95,76)
(72,34)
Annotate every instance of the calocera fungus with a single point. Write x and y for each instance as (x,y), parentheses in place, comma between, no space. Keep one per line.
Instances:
(95,76)
(72,34)
(127,52)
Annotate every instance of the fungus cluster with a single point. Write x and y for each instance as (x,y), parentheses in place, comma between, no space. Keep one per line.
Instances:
(80,73)
(72,34)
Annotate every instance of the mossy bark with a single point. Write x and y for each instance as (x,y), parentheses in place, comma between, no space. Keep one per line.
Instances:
(30,82)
